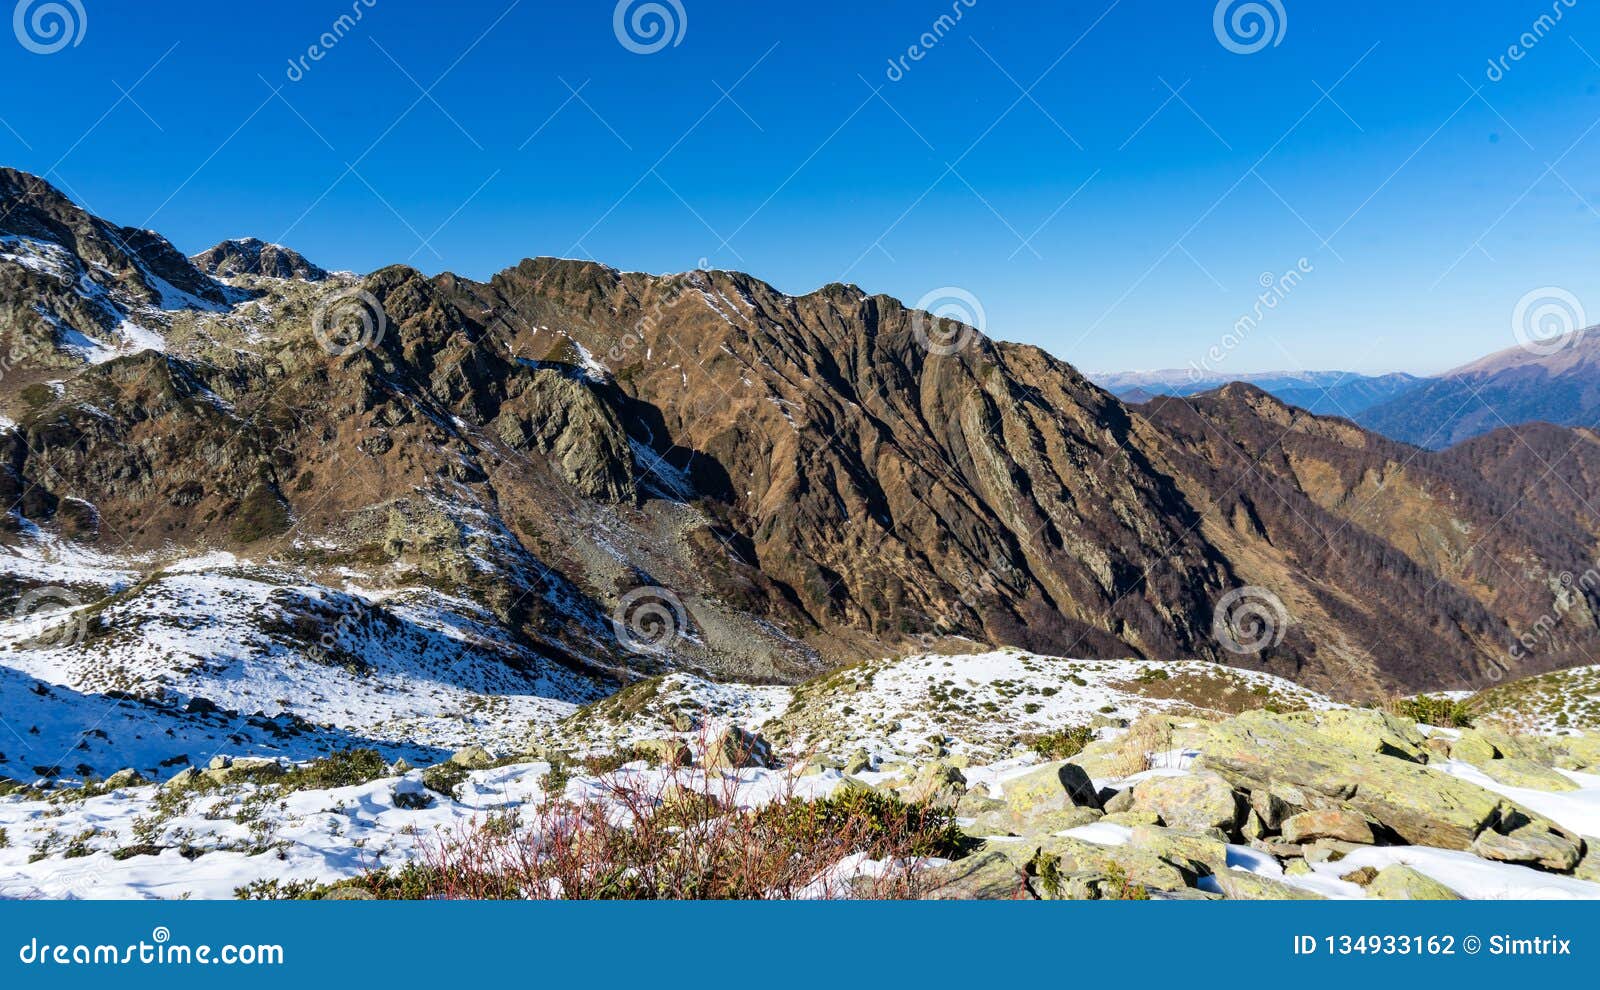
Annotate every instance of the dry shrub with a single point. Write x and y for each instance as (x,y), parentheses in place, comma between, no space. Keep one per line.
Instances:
(677,838)
(1139,748)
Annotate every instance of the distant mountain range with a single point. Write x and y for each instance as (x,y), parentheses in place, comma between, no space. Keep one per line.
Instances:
(1326,393)
(1511,388)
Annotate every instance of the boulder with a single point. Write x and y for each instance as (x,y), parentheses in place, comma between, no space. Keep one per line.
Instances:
(1056,786)
(1239,885)
(670,753)
(1373,732)
(937,784)
(411,795)
(125,778)
(1329,823)
(1130,819)
(1061,856)
(735,749)
(1581,752)
(1518,771)
(859,762)
(1262,751)
(1534,844)
(1207,850)
(185,778)
(1473,748)
(1402,883)
(1192,801)
(983,876)
(473,758)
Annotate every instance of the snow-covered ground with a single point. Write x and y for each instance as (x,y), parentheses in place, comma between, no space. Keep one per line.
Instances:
(412,672)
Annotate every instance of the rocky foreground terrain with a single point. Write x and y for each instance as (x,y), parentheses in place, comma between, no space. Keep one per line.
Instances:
(1054,779)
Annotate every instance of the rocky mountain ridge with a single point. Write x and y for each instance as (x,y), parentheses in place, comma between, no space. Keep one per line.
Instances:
(633,472)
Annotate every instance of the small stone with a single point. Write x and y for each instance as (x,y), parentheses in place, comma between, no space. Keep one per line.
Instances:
(1120,801)
(1361,877)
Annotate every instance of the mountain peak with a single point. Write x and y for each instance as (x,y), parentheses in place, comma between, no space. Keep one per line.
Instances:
(253,256)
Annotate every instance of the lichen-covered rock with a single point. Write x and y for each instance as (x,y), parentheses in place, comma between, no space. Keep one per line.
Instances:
(1473,748)
(983,876)
(1258,750)
(1056,786)
(665,752)
(1060,856)
(938,784)
(126,778)
(735,748)
(1191,801)
(1534,844)
(1238,885)
(472,757)
(1402,883)
(1328,823)
(1207,849)
(1373,732)
(1519,772)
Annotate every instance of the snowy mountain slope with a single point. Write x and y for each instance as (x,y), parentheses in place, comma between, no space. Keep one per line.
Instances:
(412,669)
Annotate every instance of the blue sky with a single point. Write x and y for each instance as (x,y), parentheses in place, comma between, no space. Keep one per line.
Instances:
(1035,157)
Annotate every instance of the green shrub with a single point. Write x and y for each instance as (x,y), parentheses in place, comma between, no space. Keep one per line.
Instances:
(1062,743)
(1433,710)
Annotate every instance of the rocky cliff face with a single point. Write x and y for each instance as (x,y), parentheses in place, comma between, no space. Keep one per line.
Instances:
(699,470)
